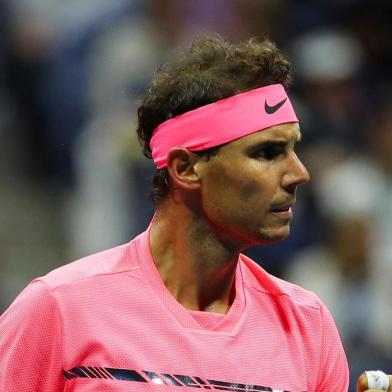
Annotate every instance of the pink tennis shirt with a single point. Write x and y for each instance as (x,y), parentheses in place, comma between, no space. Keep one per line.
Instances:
(108,323)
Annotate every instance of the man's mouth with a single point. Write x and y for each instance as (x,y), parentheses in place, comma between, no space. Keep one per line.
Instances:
(283,211)
(282,207)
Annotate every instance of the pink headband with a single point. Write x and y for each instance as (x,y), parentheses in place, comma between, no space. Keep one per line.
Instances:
(223,121)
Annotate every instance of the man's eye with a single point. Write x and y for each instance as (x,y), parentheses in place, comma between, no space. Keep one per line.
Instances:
(270,152)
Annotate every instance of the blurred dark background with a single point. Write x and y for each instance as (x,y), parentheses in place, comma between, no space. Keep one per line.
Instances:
(73,179)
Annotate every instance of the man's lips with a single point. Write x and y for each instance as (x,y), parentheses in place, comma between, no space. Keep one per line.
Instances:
(283,211)
(284,214)
(282,207)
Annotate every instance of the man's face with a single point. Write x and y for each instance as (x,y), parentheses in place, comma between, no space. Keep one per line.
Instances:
(249,186)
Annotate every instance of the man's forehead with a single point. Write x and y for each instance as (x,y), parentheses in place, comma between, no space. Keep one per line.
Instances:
(285,131)
(282,132)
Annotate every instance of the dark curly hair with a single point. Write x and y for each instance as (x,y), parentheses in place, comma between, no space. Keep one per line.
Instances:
(209,70)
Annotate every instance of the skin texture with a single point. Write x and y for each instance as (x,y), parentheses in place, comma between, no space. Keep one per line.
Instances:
(219,206)
(248,178)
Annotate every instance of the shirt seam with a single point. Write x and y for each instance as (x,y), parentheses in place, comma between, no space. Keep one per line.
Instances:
(281,294)
(46,279)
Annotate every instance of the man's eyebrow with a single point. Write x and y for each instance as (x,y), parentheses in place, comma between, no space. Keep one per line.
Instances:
(272,142)
(268,143)
(275,142)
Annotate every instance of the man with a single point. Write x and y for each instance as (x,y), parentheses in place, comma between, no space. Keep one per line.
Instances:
(179,306)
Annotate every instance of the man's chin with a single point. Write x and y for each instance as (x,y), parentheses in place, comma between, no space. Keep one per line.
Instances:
(276,235)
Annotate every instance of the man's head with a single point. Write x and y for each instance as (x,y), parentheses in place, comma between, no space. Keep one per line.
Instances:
(221,130)
(210,70)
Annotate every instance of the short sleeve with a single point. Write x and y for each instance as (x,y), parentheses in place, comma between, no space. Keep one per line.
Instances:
(30,343)
(334,373)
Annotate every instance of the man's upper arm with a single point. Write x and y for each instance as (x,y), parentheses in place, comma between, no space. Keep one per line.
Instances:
(30,343)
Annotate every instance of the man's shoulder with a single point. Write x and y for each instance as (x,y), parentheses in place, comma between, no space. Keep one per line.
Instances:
(116,260)
(263,282)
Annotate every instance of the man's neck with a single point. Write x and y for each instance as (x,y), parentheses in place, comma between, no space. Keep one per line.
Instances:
(196,267)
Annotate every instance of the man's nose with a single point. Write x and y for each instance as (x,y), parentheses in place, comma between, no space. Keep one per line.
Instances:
(296,174)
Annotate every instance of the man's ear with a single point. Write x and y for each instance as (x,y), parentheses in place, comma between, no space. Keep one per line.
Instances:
(181,167)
